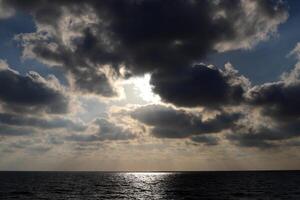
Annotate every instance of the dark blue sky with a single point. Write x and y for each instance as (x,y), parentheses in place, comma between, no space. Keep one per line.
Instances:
(268,59)
(11,51)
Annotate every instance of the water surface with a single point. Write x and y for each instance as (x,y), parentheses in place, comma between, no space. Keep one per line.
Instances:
(180,185)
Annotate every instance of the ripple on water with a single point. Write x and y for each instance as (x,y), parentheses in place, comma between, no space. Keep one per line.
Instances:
(200,185)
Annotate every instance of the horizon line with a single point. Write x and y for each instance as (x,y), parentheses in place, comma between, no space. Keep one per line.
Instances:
(152,171)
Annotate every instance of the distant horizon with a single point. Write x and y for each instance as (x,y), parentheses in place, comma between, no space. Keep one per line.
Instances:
(256,170)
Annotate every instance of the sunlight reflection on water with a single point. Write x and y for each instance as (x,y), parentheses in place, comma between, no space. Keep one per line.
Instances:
(148,184)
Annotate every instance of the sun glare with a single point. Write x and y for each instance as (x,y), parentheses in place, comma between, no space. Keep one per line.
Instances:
(144,89)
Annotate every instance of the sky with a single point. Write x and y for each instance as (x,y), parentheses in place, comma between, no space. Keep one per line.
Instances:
(149,85)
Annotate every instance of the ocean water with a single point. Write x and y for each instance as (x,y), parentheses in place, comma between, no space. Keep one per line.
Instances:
(182,185)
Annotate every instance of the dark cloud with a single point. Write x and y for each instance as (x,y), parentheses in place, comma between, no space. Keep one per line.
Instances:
(266,135)
(31,93)
(167,122)
(205,139)
(278,112)
(274,112)
(250,141)
(98,42)
(201,86)
(273,131)
(84,37)
(6,130)
(105,130)
(278,100)
(51,123)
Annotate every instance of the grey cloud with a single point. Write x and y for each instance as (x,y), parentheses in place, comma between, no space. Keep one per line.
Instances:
(21,144)
(93,40)
(282,95)
(31,93)
(293,143)
(167,122)
(39,149)
(295,52)
(106,130)
(142,36)
(30,146)
(5,11)
(201,85)
(277,99)
(205,139)
(52,140)
(251,141)
(253,21)
(51,123)
(266,135)
(6,130)
(278,105)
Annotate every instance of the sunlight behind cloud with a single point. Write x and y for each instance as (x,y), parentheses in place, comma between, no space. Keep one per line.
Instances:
(143,89)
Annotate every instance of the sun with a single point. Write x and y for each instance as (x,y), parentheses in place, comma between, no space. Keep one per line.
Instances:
(144,90)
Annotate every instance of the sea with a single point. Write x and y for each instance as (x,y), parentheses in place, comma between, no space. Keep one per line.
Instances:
(240,185)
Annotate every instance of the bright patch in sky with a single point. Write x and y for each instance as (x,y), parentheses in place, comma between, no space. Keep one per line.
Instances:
(143,89)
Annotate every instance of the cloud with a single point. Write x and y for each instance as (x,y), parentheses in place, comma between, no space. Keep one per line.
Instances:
(6,130)
(31,104)
(250,140)
(274,113)
(167,122)
(296,51)
(44,123)
(3,65)
(31,93)
(102,130)
(201,85)
(27,145)
(5,11)
(279,99)
(205,139)
(265,132)
(253,20)
(97,43)
(86,38)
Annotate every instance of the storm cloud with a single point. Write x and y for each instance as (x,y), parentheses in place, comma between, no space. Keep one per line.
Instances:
(167,122)
(100,41)
(31,93)
(277,99)
(201,85)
